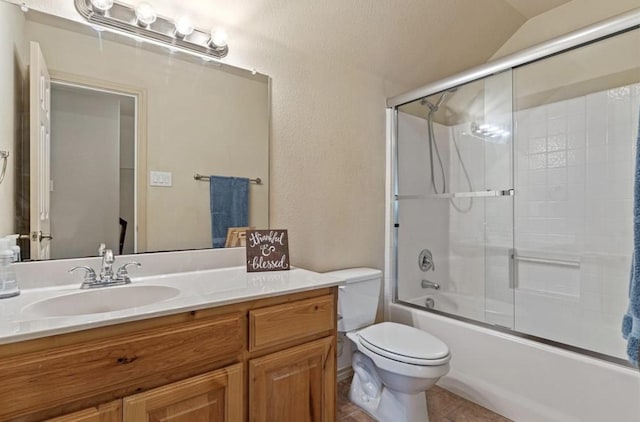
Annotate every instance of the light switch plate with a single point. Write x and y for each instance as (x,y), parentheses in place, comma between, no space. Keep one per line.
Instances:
(161,178)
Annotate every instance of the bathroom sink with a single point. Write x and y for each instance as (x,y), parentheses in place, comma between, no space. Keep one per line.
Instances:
(106,299)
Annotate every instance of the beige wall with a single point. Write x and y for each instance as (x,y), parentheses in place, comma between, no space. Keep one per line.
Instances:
(12,68)
(223,132)
(604,65)
(566,18)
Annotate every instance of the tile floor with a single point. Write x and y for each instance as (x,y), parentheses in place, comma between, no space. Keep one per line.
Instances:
(443,407)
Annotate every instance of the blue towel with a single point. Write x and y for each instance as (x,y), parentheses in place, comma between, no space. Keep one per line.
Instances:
(631,321)
(229,206)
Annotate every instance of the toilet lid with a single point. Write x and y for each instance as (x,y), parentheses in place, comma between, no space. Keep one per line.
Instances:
(403,343)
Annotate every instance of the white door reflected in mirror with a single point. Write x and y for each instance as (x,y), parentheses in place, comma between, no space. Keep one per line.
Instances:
(40,147)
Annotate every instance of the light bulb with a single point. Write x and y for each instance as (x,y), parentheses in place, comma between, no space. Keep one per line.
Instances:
(145,14)
(184,26)
(102,6)
(218,38)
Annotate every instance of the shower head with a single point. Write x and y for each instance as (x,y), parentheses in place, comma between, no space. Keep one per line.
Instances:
(434,107)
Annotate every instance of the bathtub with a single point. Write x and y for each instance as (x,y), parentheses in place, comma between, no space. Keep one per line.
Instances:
(490,310)
(525,380)
(540,315)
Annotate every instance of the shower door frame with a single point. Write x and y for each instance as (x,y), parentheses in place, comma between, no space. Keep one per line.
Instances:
(608,28)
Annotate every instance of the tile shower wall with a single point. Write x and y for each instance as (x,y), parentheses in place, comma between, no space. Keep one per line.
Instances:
(422,223)
(574,187)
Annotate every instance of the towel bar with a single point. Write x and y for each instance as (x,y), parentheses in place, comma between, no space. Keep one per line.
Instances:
(477,194)
(197,176)
(550,261)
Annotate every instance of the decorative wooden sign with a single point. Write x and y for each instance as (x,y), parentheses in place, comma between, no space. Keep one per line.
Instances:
(267,250)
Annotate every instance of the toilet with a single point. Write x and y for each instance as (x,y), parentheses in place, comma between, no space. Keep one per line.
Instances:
(394,364)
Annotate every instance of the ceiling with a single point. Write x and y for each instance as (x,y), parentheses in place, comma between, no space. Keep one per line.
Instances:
(531,8)
(407,43)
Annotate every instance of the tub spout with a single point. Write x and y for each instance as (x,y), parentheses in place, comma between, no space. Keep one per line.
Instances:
(426,284)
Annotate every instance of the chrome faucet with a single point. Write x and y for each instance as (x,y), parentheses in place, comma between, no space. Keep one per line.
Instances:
(106,269)
(426,284)
(106,277)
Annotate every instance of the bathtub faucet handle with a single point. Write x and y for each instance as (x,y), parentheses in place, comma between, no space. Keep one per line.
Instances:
(425,261)
(428,263)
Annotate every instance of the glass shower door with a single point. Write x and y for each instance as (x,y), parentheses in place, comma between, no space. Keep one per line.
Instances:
(454,201)
(577,120)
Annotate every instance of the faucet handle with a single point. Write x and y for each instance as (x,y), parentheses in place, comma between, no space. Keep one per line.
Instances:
(89,275)
(101,249)
(425,261)
(122,272)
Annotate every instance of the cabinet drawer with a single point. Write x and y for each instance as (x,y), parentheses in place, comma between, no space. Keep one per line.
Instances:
(291,321)
(51,378)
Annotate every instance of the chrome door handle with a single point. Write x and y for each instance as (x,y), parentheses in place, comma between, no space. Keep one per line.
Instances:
(39,236)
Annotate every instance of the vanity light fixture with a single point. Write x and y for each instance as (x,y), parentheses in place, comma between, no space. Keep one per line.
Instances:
(184,26)
(101,6)
(145,15)
(218,38)
(143,22)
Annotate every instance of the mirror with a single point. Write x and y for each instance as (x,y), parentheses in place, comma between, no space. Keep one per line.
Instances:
(106,135)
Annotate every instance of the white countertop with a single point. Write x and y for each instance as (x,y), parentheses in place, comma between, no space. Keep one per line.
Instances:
(198,290)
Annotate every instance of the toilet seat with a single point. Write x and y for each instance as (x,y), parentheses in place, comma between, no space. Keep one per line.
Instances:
(393,366)
(405,344)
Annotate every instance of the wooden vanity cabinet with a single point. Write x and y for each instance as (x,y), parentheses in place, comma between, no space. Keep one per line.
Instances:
(267,360)
(109,412)
(296,384)
(216,396)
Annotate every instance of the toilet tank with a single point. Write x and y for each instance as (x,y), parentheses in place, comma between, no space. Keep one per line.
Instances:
(358,299)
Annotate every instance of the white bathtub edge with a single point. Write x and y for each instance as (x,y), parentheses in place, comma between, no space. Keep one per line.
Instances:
(525,380)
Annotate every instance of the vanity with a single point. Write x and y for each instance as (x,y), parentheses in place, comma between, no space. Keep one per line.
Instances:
(230,346)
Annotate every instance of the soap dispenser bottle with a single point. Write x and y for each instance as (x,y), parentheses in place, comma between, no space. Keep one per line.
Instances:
(8,282)
(13,246)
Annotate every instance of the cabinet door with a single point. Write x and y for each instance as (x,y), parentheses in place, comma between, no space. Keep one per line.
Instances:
(109,412)
(294,385)
(215,396)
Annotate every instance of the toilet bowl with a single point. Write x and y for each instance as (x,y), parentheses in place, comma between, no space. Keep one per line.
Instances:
(402,362)
(393,364)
